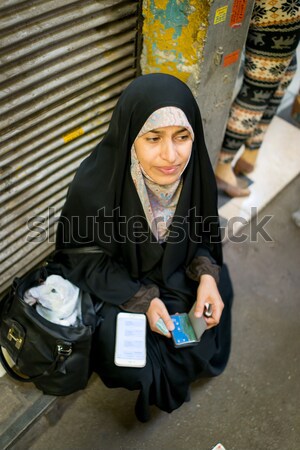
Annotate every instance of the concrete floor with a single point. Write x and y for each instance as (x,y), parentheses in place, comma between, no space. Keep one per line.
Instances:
(254,404)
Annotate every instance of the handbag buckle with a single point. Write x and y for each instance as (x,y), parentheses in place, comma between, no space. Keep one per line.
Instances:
(13,335)
(64,349)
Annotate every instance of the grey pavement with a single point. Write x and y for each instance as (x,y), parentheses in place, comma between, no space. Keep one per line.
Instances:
(253,405)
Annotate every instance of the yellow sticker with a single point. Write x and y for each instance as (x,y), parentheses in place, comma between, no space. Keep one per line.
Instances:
(220,15)
(73,135)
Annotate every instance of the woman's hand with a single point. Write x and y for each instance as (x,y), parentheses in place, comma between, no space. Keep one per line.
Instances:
(208,293)
(157,310)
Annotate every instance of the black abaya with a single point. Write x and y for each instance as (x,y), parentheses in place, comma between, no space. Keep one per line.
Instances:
(103,209)
(166,378)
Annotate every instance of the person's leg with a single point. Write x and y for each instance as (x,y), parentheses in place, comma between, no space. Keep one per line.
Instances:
(272,39)
(247,160)
(295,113)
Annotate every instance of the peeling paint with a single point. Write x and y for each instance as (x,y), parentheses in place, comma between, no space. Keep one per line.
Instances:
(174,34)
(172,16)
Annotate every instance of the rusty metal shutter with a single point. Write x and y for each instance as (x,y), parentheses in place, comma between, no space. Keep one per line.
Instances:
(63,66)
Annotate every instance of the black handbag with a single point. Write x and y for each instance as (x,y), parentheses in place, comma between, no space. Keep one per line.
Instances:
(55,358)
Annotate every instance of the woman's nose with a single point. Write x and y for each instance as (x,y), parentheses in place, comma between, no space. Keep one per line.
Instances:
(168,150)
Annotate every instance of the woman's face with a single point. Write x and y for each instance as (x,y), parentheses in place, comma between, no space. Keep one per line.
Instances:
(164,152)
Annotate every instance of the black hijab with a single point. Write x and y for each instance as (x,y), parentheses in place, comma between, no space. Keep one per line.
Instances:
(103,206)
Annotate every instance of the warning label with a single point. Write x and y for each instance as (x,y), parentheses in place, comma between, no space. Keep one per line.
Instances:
(238,13)
(221,14)
(231,58)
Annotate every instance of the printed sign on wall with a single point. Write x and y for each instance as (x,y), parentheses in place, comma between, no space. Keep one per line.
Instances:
(221,14)
(238,13)
(231,58)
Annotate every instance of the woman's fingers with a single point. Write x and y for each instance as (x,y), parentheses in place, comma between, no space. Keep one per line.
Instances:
(159,319)
(164,324)
(167,319)
(208,293)
(161,326)
(217,309)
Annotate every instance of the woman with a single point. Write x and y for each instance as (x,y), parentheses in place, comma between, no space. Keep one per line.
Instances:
(147,197)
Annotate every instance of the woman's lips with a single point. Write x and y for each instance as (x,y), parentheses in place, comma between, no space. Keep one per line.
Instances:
(168,170)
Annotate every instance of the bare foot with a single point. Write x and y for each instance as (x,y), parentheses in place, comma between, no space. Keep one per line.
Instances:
(246,162)
(228,182)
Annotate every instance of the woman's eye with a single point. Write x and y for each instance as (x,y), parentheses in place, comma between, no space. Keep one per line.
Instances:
(183,137)
(152,139)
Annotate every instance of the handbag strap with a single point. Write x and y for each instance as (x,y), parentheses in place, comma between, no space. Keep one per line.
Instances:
(63,351)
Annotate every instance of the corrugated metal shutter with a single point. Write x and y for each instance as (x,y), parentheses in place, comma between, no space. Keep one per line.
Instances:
(63,66)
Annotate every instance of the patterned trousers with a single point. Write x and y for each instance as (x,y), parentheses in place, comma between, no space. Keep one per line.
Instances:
(270,64)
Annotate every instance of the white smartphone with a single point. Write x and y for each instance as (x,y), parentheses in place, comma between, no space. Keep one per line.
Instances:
(130,349)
